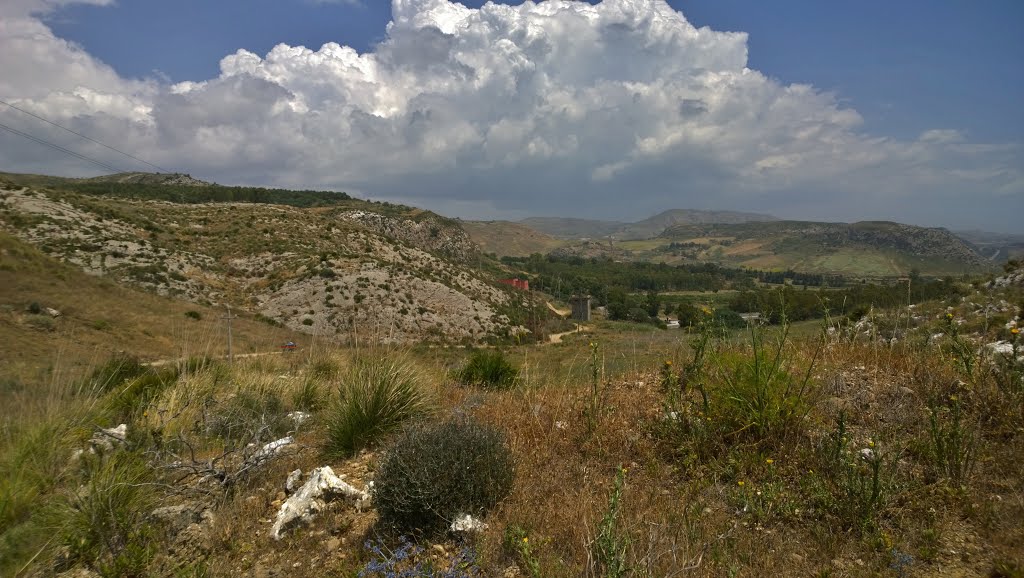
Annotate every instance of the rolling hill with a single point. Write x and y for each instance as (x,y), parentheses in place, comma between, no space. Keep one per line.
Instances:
(567,228)
(865,249)
(508,239)
(56,320)
(315,262)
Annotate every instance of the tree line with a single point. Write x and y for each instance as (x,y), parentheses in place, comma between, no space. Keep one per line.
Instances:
(191,194)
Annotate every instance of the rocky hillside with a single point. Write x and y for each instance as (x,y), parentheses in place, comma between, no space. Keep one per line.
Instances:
(150,179)
(781,236)
(343,270)
(866,249)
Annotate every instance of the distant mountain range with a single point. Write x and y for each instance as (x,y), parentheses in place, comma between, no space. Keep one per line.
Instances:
(569,228)
(870,248)
(998,247)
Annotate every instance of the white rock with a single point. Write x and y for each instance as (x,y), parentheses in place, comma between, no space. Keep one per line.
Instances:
(467,523)
(52,312)
(867,454)
(106,439)
(299,417)
(271,449)
(1001,347)
(292,482)
(323,486)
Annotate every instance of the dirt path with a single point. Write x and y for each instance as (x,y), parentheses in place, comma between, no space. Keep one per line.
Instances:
(162,362)
(557,337)
(556,311)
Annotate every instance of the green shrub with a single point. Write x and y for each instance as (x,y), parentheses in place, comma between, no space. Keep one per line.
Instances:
(437,472)
(489,368)
(376,395)
(193,314)
(760,399)
(41,322)
(102,523)
(854,478)
(953,441)
(611,545)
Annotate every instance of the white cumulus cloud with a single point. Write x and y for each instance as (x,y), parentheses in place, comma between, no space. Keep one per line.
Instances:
(615,109)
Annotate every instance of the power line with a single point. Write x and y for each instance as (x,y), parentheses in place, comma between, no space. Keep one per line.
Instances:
(33,115)
(102,164)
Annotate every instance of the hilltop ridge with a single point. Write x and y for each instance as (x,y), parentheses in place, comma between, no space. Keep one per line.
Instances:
(315,262)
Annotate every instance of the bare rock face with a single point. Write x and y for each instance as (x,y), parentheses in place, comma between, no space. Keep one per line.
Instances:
(322,487)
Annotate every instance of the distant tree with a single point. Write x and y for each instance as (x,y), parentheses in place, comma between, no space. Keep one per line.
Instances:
(652,303)
(688,314)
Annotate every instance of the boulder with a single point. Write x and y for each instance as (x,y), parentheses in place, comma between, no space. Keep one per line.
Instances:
(467,523)
(268,452)
(322,487)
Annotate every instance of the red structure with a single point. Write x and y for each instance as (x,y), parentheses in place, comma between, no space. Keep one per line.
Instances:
(522,284)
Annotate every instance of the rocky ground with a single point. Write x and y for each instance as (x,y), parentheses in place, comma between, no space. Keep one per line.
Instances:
(392,275)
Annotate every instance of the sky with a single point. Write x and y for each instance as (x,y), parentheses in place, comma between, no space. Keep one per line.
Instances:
(618,109)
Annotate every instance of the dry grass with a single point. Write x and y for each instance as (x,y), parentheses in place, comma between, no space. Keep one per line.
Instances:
(691,506)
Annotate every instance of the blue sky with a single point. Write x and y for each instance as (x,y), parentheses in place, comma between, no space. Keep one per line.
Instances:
(906,110)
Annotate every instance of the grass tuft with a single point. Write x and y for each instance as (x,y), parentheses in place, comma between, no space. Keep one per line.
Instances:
(490,369)
(376,395)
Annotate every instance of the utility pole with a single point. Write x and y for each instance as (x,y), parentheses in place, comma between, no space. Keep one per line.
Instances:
(229,317)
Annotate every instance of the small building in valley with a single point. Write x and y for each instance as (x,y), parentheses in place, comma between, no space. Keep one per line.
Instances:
(522,284)
(580,307)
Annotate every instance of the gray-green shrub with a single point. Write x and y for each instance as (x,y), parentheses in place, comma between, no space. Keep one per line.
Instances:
(436,472)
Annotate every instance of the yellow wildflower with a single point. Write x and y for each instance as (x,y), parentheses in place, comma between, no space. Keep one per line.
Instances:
(526,540)
(739,483)
(871,444)
(1015,331)
(769,461)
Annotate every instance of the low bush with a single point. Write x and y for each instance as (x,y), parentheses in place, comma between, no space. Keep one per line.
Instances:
(437,472)
(489,368)
(376,395)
